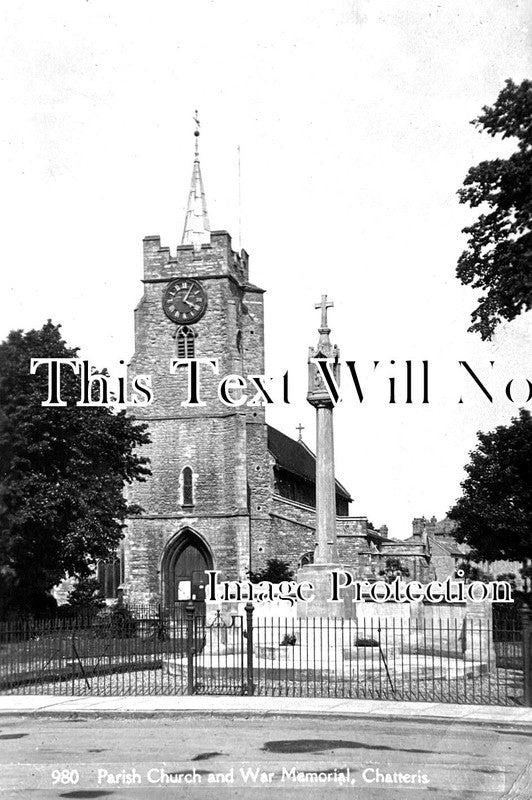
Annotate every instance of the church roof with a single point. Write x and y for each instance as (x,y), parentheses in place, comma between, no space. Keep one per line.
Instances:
(450,546)
(296,457)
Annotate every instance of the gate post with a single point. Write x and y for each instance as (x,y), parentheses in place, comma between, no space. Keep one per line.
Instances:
(190,647)
(249,639)
(526,614)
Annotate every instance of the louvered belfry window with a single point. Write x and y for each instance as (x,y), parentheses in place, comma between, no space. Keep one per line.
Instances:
(185,342)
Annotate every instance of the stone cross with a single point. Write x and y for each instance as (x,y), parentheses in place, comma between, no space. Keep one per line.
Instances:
(324,305)
(300,428)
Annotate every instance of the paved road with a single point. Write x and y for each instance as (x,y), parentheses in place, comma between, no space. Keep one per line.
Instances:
(215,757)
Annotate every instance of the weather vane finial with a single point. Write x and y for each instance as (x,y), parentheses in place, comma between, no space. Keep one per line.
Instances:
(197,131)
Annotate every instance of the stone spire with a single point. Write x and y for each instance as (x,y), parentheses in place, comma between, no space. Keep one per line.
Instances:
(197,230)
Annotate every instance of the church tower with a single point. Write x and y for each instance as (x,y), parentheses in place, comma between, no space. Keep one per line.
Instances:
(209,485)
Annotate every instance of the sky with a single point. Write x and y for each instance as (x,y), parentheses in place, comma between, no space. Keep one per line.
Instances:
(353,122)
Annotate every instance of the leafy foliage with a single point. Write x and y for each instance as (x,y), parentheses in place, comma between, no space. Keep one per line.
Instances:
(361,642)
(498,258)
(275,571)
(288,640)
(393,569)
(62,473)
(116,622)
(494,513)
(85,595)
(471,572)
(509,577)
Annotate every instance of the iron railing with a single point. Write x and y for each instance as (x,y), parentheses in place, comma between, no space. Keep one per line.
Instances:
(149,650)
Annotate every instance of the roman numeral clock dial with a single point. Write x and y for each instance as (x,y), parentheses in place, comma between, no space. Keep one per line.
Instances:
(184,301)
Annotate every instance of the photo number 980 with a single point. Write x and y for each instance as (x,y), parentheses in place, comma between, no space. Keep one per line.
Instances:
(65,776)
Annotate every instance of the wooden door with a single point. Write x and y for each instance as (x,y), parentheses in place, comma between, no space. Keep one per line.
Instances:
(186,578)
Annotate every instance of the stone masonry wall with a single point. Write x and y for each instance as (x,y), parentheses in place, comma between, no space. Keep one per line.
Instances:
(230,472)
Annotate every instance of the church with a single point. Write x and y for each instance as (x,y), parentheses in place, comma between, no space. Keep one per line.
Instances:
(227,491)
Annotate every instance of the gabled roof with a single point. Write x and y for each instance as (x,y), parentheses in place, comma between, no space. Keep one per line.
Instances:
(449,546)
(296,457)
(445,543)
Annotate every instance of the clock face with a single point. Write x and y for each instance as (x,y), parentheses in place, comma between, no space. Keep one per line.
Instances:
(184,301)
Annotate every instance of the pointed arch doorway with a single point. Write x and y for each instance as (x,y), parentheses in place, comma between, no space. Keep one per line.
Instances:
(184,563)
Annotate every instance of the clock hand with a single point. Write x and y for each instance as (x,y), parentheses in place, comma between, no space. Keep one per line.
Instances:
(188,293)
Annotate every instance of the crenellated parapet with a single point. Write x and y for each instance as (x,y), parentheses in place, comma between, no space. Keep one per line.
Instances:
(210,261)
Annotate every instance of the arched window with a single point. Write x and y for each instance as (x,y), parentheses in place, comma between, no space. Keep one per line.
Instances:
(239,342)
(109,574)
(188,488)
(306,558)
(185,342)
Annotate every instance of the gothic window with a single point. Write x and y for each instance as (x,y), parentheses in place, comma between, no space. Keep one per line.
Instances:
(188,489)
(239,342)
(185,342)
(109,574)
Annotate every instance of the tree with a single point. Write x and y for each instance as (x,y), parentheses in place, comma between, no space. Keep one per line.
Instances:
(62,472)
(471,572)
(394,569)
(498,258)
(494,513)
(86,596)
(275,571)
(509,577)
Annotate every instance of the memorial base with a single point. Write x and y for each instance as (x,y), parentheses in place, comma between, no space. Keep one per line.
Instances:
(322,606)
